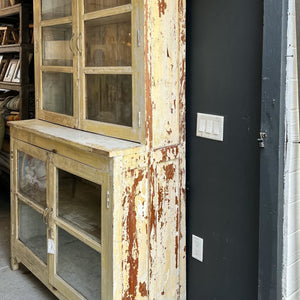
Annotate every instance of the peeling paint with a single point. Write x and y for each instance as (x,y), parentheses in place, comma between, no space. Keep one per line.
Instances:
(162,5)
(170,171)
(143,289)
(130,225)
(150,218)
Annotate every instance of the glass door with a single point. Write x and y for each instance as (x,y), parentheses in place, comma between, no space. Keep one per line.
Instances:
(57,64)
(30,206)
(110,47)
(80,223)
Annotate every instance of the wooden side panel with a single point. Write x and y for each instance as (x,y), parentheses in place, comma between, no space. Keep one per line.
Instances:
(162,61)
(130,232)
(164,235)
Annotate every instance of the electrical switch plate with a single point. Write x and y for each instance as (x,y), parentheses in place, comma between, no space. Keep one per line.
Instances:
(197,248)
(210,126)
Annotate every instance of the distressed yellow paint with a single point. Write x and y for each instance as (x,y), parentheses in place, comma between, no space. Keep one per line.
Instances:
(163,37)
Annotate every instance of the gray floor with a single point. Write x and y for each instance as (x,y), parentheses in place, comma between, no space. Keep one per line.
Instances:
(21,284)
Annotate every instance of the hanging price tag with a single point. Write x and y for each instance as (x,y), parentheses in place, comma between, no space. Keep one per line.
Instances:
(51,246)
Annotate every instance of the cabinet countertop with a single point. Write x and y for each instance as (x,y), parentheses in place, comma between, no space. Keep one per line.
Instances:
(90,142)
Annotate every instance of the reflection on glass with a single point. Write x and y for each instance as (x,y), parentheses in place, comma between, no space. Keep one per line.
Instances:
(32,231)
(79,203)
(56,9)
(79,265)
(108,41)
(92,5)
(109,98)
(58,92)
(57,45)
(32,178)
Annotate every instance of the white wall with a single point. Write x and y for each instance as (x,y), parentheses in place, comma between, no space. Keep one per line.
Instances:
(291,253)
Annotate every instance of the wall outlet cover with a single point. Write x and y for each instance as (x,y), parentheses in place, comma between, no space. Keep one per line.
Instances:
(197,248)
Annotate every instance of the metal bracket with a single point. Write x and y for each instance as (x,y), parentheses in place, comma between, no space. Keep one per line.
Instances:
(261,141)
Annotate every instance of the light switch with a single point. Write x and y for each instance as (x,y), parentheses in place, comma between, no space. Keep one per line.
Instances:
(216,127)
(202,125)
(210,126)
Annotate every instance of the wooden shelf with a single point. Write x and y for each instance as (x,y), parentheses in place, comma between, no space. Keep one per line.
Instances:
(15,86)
(10,11)
(15,48)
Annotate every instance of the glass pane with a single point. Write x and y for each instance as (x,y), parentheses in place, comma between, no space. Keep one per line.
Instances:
(58,92)
(79,203)
(33,231)
(56,9)
(79,265)
(32,178)
(92,5)
(109,98)
(108,41)
(56,45)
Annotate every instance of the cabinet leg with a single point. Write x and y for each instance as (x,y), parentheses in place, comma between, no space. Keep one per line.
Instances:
(14,264)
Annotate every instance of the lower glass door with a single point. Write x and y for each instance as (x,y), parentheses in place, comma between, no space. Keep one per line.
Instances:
(32,231)
(78,265)
(81,218)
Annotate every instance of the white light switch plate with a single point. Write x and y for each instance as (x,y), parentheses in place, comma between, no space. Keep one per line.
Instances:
(197,248)
(210,126)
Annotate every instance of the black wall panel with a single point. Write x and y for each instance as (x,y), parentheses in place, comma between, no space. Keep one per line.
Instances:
(224,53)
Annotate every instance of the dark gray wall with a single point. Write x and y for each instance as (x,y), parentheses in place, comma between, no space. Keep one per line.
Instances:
(224,49)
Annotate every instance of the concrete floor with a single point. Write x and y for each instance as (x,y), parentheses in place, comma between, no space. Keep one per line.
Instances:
(21,284)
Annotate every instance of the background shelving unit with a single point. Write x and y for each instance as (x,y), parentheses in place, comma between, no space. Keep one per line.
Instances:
(20,16)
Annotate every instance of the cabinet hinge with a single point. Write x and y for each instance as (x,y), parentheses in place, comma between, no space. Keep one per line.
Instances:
(11,154)
(107,199)
(138,38)
(139,120)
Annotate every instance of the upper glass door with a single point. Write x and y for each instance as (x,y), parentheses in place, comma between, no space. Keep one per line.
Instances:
(58,61)
(89,65)
(110,42)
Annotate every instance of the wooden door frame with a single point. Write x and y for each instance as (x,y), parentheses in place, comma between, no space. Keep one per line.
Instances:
(272,156)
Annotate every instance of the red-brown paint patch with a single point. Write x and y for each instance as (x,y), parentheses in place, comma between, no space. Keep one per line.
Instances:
(143,289)
(152,218)
(130,225)
(160,202)
(169,171)
(172,150)
(162,5)
(177,230)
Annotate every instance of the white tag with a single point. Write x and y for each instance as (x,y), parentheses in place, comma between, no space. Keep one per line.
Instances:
(51,246)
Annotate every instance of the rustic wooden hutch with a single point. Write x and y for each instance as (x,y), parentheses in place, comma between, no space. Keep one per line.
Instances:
(98,178)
